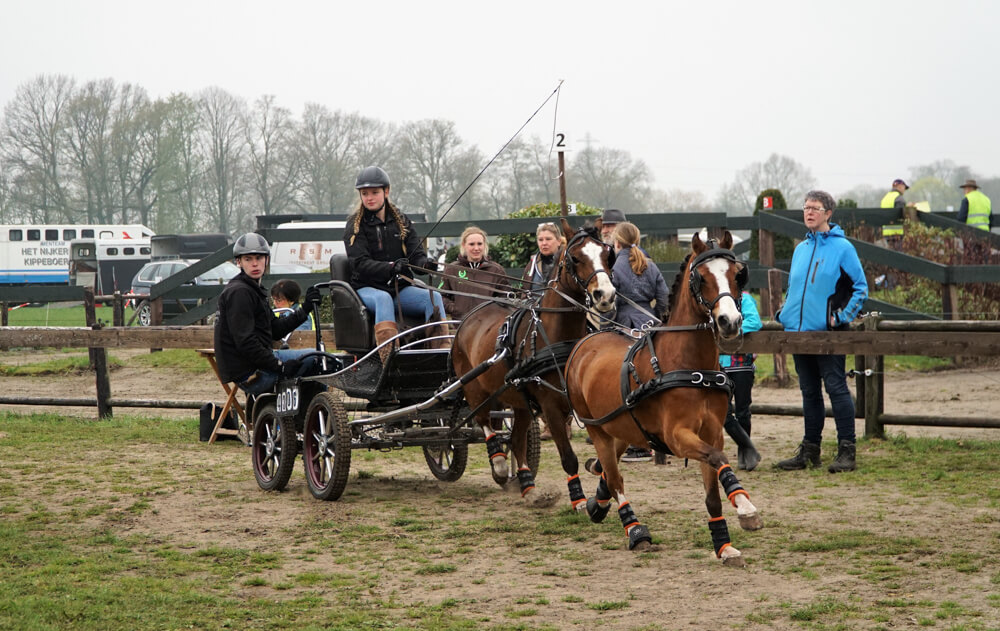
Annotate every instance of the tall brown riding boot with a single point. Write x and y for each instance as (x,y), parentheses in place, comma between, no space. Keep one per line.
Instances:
(385,331)
(442,331)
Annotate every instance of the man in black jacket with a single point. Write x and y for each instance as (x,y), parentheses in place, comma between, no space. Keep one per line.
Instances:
(245,326)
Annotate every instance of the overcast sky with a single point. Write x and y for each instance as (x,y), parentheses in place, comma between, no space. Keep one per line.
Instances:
(857,91)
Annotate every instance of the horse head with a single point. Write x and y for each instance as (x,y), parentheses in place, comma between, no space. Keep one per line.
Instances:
(716,280)
(586,265)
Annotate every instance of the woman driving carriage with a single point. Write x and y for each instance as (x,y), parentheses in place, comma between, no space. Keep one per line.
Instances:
(383,246)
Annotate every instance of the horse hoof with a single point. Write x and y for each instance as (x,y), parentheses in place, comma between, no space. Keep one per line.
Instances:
(589,466)
(751,521)
(644,546)
(500,470)
(580,506)
(734,561)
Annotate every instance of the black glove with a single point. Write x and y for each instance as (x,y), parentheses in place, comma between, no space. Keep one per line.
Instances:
(313,298)
(430,265)
(400,266)
(290,367)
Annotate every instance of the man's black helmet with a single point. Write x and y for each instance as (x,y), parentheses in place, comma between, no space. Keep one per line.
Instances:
(251,243)
(372,177)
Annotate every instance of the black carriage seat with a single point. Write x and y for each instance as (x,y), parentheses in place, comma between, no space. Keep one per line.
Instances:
(353,323)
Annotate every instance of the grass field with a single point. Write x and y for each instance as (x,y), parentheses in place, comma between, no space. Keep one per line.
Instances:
(129,524)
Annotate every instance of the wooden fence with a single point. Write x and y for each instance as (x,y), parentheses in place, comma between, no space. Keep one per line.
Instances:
(871,341)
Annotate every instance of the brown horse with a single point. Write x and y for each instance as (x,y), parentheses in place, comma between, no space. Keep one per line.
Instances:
(535,341)
(676,398)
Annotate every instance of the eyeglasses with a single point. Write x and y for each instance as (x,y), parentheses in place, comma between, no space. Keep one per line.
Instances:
(547,224)
(813,209)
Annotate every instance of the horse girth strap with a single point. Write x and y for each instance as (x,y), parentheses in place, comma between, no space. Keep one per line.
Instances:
(549,358)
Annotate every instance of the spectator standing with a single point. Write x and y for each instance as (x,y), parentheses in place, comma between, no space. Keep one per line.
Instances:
(637,278)
(740,367)
(472,273)
(610,218)
(975,209)
(826,289)
(893,233)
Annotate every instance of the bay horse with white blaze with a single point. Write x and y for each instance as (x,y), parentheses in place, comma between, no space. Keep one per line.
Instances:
(667,388)
(528,347)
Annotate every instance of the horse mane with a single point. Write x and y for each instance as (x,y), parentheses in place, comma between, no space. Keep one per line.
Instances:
(678,281)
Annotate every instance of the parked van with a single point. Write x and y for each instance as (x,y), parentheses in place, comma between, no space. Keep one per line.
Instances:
(313,254)
(106,265)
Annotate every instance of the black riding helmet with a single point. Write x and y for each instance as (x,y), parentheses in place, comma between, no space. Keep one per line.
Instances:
(372,177)
(251,243)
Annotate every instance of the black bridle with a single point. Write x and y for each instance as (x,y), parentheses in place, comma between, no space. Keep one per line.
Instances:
(695,279)
(569,262)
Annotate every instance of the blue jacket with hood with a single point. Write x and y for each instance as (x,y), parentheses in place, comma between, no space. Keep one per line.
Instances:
(826,278)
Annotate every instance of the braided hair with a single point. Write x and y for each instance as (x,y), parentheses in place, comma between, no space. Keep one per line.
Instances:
(354,221)
(627,234)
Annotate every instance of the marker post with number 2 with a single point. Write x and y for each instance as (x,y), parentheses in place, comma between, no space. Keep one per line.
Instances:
(560,145)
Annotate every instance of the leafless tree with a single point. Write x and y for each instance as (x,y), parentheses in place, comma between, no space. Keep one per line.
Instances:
(677,201)
(224,143)
(177,181)
(780,172)
(274,159)
(432,154)
(606,178)
(325,145)
(90,115)
(33,148)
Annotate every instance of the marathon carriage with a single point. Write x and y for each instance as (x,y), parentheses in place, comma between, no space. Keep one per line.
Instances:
(357,402)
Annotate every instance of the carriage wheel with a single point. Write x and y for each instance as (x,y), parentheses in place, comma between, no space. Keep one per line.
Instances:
(447,462)
(273,449)
(326,447)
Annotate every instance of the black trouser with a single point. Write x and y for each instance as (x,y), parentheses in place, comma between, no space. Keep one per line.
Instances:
(739,403)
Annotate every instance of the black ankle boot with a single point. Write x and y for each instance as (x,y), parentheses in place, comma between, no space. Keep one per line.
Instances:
(844,461)
(807,454)
(747,455)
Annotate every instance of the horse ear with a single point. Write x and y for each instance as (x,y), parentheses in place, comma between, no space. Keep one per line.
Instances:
(727,241)
(697,246)
(566,228)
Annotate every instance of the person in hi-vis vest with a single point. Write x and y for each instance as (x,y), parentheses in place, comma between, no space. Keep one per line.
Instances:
(894,200)
(975,208)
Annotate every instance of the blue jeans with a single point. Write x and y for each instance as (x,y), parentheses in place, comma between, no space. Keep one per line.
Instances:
(816,371)
(413,301)
(262,381)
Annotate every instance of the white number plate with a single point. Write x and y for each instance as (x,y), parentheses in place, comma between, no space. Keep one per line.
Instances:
(288,400)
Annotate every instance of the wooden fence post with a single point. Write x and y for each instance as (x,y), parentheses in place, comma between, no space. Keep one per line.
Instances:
(874,389)
(3,318)
(98,358)
(118,310)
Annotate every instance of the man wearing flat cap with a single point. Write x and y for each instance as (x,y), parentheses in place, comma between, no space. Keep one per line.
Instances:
(893,233)
(609,219)
(975,209)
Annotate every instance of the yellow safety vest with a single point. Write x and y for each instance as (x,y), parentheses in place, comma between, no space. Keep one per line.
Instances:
(889,201)
(979,210)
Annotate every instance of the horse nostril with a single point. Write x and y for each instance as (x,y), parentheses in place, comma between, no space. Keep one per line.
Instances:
(598,295)
(724,321)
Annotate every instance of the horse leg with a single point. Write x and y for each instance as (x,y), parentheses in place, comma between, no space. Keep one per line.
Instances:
(690,445)
(494,449)
(519,449)
(612,484)
(567,457)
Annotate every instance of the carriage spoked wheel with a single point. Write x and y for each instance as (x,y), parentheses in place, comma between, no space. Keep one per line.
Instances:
(534,448)
(326,447)
(273,449)
(447,462)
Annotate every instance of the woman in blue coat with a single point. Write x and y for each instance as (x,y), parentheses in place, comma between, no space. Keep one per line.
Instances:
(826,289)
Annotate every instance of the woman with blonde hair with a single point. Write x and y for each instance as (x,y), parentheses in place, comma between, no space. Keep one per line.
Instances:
(536,275)
(637,278)
(472,273)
